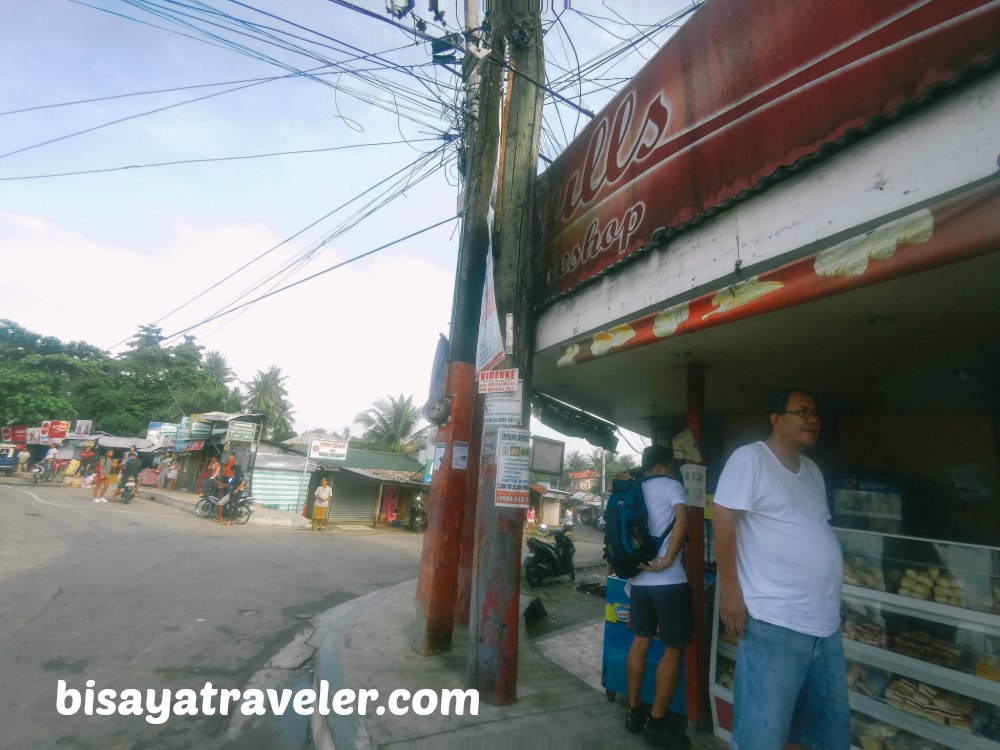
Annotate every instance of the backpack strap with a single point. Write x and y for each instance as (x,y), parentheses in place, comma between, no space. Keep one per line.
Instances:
(660,539)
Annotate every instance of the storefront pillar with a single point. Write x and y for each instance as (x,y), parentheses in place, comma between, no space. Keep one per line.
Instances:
(697,671)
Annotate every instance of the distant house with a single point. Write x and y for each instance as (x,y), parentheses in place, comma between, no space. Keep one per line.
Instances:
(368,486)
(583,481)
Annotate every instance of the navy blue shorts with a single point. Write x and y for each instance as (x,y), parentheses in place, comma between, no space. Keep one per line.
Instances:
(663,610)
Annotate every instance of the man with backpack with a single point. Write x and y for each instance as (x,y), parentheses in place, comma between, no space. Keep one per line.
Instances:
(660,602)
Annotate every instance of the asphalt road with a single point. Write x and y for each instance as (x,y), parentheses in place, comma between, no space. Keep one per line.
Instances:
(143,596)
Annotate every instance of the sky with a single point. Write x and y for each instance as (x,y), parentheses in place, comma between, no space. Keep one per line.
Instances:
(93,256)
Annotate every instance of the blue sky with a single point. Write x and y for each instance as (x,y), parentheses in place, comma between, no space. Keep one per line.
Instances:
(93,256)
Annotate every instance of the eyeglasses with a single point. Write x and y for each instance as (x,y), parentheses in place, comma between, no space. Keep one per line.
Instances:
(803,413)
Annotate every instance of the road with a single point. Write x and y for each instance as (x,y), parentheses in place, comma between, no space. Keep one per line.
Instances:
(143,596)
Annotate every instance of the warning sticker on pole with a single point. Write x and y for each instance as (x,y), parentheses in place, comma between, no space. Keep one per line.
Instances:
(512,468)
(503,408)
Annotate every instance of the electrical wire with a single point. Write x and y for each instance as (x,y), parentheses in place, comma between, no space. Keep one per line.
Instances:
(214,159)
(318,274)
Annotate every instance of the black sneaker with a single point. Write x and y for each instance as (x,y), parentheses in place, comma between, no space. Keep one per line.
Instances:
(635,719)
(664,733)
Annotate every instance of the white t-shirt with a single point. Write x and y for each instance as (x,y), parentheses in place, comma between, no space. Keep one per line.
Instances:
(662,494)
(788,559)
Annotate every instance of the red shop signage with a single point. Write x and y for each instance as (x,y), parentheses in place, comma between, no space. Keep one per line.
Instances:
(745,88)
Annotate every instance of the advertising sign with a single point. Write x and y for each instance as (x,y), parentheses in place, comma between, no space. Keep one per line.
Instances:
(32,435)
(83,427)
(7,434)
(513,448)
(54,429)
(200,429)
(489,350)
(498,381)
(19,434)
(671,145)
(332,449)
(240,432)
(503,408)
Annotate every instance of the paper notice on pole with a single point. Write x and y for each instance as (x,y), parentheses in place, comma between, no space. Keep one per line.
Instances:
(512,468)
(489,351)
(438,455)
(498,381)
(694,484)
(504,408)
(460,456)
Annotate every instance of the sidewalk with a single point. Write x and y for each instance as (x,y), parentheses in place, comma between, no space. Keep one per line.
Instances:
(560,701)
(261,516)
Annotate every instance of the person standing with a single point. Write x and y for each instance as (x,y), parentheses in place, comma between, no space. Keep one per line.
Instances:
(104,468)
(87,455)
(661,603)
(172,472)
(321,505)
(22,459)
(780,568)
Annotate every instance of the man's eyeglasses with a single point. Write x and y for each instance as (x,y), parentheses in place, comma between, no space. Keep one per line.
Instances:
(803,413)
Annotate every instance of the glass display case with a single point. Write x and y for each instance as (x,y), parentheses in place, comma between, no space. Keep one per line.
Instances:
(921,628)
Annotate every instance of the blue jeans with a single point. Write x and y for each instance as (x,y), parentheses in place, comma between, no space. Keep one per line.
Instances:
(790,687)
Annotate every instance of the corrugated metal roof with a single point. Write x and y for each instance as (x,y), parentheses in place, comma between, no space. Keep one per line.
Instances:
(390,475)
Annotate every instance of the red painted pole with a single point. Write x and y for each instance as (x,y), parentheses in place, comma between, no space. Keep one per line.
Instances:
(437,585)
(697,670)
(463,601)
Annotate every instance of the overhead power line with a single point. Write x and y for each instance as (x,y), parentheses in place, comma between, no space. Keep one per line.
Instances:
(315,275)
(215,159)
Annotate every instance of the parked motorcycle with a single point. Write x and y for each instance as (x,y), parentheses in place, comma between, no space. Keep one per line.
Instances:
(208,507)
(418,517)
(598,522)
(550,559)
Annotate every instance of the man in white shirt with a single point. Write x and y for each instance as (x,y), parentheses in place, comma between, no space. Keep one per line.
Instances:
(780,567)
(660,603)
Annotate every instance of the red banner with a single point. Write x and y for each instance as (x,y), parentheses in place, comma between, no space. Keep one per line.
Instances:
(746,88)
(54,429)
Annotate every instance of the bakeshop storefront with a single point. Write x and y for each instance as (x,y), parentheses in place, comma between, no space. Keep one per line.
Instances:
(812,199)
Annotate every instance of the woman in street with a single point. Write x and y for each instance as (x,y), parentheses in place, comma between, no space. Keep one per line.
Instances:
(321,505)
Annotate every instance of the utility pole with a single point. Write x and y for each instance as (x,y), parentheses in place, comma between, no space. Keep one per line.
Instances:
(496,585)
(438,584)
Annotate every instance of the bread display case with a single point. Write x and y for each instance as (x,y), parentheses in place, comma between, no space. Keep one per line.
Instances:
(921,628)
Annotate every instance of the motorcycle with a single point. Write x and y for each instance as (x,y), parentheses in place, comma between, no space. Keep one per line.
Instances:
(42,472)
(129,489)
(550,559)
(599,522)
(208,507)
(418,517)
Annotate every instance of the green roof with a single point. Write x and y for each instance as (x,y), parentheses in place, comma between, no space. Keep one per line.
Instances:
(358,458)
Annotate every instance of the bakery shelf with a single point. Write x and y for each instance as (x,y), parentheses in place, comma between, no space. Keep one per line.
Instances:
(952,738)
(926,609)
(940,677)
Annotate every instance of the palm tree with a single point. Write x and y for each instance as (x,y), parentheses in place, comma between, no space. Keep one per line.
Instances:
(392,425)
(266,394)
(217,365)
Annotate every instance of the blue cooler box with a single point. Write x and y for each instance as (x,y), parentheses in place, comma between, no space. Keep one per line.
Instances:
(618,639)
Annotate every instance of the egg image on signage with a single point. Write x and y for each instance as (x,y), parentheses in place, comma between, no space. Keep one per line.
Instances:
(741,294)
(605,340)
(567,358)
(667,322)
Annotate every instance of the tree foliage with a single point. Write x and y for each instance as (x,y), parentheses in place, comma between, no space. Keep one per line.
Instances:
(393,425)
(267,395)
(42,378)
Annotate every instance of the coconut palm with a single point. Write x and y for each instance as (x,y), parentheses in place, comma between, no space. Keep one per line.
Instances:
(266,394)
(217,365)
(393,425)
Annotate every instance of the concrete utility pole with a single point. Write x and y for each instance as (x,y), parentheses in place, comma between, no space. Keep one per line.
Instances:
(496,586)
(439,585)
